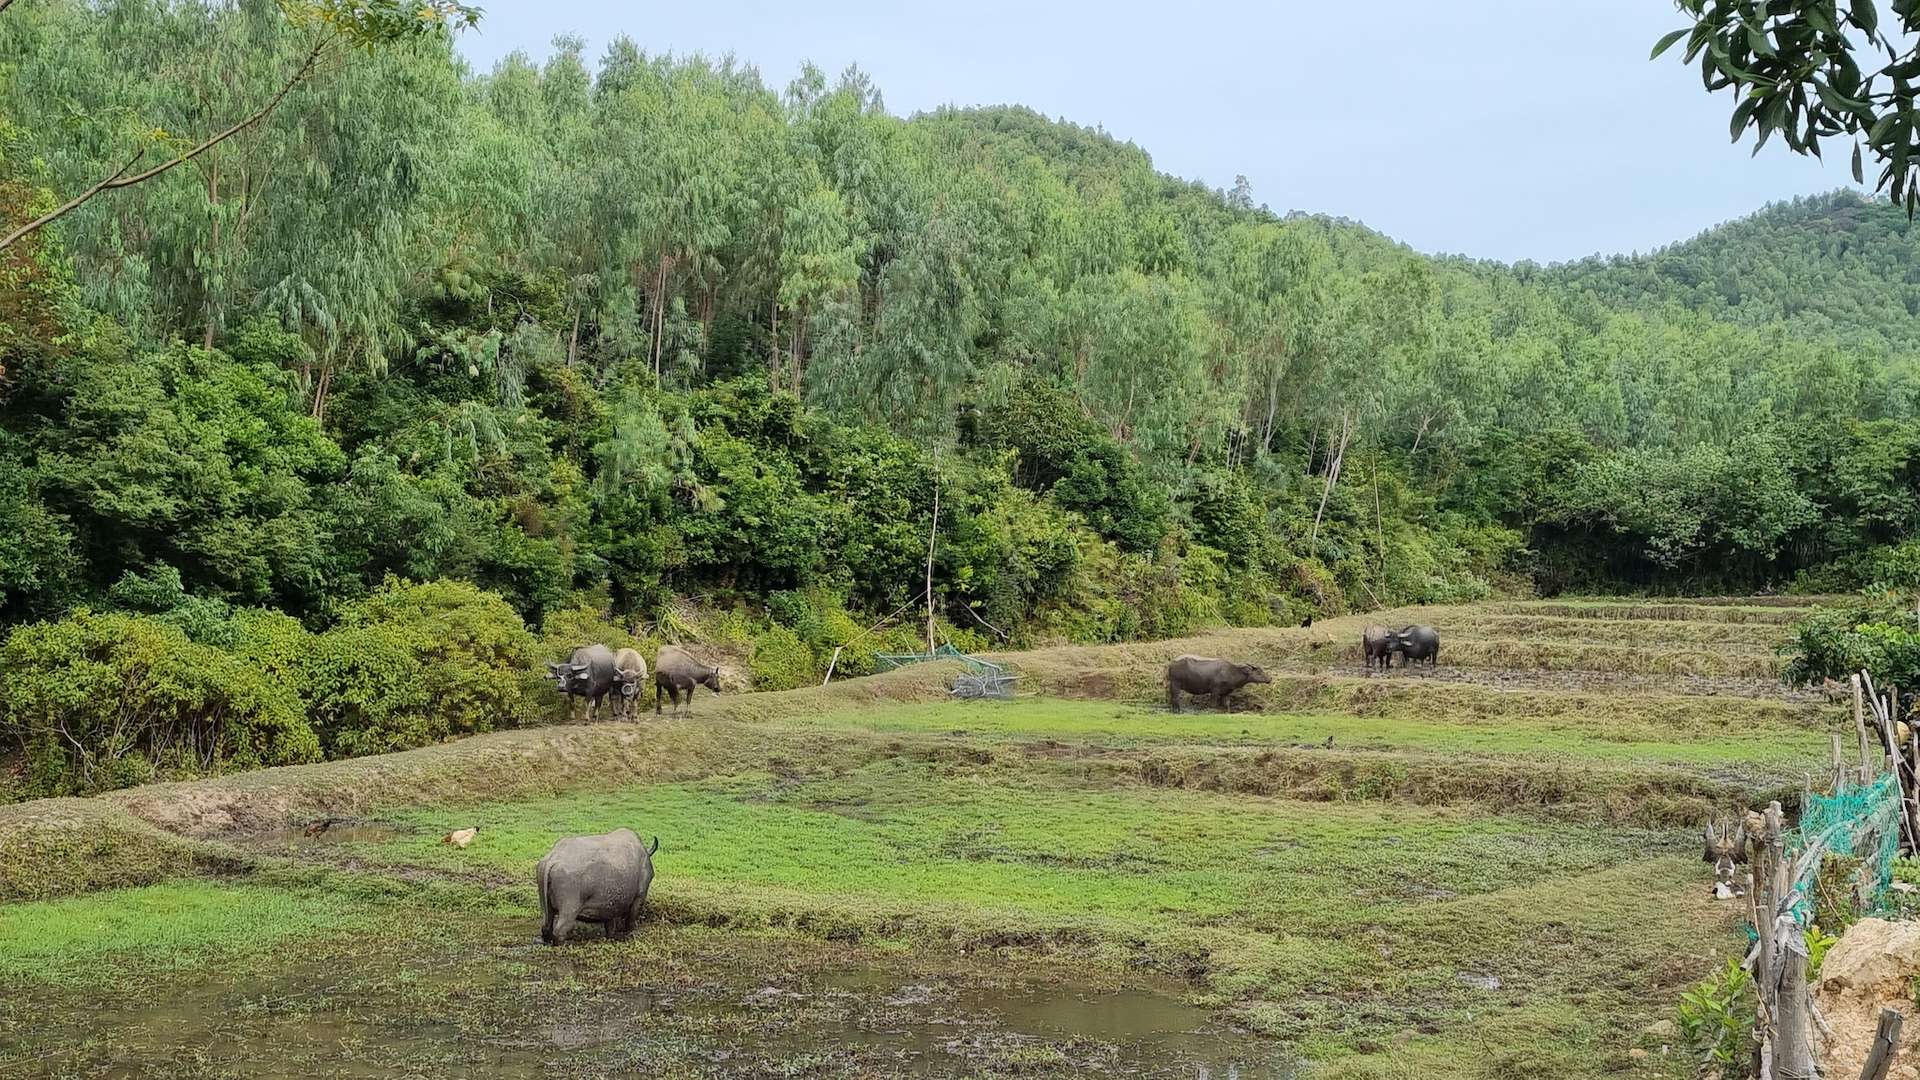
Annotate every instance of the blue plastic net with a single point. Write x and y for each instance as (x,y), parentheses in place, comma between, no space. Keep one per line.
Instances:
(1860,821)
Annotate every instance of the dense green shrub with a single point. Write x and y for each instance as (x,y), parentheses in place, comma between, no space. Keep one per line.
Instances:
(781,661)
(99,701)
(1879,636)
(413,664)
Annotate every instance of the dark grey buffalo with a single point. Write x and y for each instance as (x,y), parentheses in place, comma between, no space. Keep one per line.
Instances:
(1726,850)
(1417,643)
(594,879)
(630,675)
(1376,644)
(676,672)
(1204,676)
(588,673)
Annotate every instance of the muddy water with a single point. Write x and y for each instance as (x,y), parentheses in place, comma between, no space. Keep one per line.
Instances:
(492,1005)
(941,1027)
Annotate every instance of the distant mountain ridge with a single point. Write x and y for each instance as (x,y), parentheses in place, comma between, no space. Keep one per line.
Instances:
(1837,264)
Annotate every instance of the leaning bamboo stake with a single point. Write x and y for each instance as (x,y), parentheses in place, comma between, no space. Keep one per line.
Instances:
(1913,788)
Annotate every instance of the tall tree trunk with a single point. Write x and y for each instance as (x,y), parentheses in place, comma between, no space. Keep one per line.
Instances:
(213,251)
(1338,456)
(320,388)
(773,345)
(573,339)
(800,345)
(1273,402)
(932,532)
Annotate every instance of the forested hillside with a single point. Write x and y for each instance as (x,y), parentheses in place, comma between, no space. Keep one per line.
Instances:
(636,337)
(1837,265)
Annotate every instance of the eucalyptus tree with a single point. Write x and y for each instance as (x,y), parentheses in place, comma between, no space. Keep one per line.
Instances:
(352,223)
(334,28)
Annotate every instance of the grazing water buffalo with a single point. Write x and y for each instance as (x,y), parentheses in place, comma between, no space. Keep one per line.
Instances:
(589,674)
(676,672)
(1376,643)
(1417,643)
(1726,849)
(629,674)
(594,879)
(1203,675)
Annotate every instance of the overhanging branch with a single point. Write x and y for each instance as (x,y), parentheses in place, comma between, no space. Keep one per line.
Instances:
(120,179)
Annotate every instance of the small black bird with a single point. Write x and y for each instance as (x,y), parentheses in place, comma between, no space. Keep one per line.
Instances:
(1306,622)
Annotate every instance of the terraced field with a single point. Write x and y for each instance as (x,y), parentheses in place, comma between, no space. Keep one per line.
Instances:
(1489,869)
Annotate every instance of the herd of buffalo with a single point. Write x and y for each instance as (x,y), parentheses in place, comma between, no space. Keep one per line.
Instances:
(595,672)
(604,879)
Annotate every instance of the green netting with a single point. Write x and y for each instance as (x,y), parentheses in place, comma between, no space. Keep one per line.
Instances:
(946,651)
(1861,821)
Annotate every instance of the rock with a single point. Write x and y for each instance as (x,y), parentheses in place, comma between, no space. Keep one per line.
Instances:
(1637,1054)
(1660,1029)
(1478,981)
(1871,967)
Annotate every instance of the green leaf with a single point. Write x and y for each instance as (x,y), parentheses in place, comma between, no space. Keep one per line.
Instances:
(1741,114)
(1878,133)
(1821,22)
(1757,41)
(1666,42)
(1834,99)
(1858,176)
(1866,16)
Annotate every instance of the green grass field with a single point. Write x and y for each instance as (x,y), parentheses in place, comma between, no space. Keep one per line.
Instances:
(1480,877)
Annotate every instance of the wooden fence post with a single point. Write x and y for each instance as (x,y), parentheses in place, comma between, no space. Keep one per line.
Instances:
(1886,1043)
(1860,725)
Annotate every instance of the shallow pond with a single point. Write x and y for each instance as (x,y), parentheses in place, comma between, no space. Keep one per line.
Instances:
(669,1003)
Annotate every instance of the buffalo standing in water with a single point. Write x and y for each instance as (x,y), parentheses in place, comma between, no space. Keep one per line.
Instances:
(1377,643)
(1417,643)
(676,672)
(1202,676)
(594,879)
(588,673)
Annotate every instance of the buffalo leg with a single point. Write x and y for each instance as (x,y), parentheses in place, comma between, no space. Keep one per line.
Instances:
(563,921)
(1173,697)
(656,699)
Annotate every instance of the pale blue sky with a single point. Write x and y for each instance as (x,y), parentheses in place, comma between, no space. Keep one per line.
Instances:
(1504,129)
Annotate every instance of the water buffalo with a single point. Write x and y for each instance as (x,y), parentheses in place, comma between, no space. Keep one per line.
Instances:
(1376,643)
(1726,849)
(630,674)
(676,672)
(1204,675)
(588,673)
(594,879)
(1417,643)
